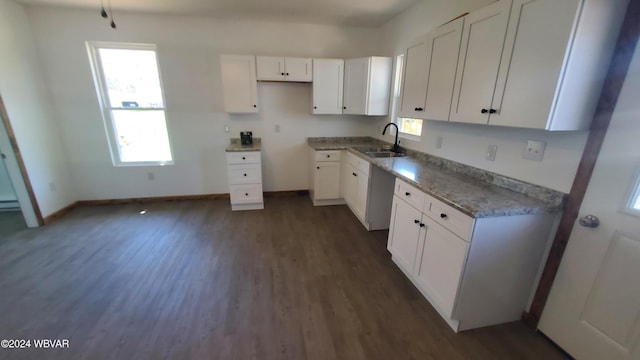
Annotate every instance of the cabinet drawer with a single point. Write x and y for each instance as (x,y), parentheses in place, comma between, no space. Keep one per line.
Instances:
(245,174)
(452,219)
(409,194)
(245,194)
(244,157)
(328,155)
(358,163)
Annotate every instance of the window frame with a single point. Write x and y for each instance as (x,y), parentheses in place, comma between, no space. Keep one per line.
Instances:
(106,109)
(632,196)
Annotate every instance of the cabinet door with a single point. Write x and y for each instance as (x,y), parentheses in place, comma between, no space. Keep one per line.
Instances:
(350,185)
(482,43)
(362,192)
(239,85)
(327,180)
(439,271)
(270,68)
(537,40)
(404,234)
(328,78)
(443,49)
(414,84)
(298,69)
(356,82)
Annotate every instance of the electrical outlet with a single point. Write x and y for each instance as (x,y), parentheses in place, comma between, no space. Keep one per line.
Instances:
(227,129)
(276,128)
(151,176)
(491,152)
(439,142)
(534,150)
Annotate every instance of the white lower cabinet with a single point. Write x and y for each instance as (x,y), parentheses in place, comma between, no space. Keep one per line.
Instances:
(475,272)
(356,179)
(325,177)
(244,170)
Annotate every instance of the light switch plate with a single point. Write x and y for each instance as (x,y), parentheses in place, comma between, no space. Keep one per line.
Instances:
(534,150)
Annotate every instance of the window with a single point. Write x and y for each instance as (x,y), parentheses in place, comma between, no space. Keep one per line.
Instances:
(633,206)
(130,92)
(409,128)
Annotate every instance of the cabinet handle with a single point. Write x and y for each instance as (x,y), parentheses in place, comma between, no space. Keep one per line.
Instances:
(287,74)
(282,74)
(418,109)
(245,174)
(318,167)
(244,158)
(484,111)
(354,174)
(254,105)
(315,107)
(407,194)
(422,225)
(344,108)
(492,111)
(416,221)
(246,194)
(328,156)
(443,216)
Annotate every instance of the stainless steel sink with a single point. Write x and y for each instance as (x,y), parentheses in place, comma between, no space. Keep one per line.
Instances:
(383,154)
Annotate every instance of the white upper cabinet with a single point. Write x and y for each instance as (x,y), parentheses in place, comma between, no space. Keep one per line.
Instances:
(478,63)
(272,68)
(328,78)
(367,83)
(442,55)
(429,74)
(414,84)
(239,84)
(554,62)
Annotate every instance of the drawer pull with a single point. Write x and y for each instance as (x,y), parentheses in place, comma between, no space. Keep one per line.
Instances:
(246,194)
(354,174)
(444,216)
(422,225)
(407,194)
(244,158)
(245,174)
(318,167)
(328,156)
(416,221)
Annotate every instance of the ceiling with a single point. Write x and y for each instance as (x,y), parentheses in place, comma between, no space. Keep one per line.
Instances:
(363,13)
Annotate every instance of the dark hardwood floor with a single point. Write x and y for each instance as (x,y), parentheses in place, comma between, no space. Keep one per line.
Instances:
(193,280)
(11,222)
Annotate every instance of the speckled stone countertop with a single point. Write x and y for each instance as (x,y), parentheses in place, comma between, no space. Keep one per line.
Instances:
(475,192)
(235,145)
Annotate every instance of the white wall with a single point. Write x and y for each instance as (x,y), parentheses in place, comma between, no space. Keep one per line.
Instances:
(188,52)
(28,106)
(468,143)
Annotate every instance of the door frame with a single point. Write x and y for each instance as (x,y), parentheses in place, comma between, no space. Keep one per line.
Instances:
(26,205)
(616,75)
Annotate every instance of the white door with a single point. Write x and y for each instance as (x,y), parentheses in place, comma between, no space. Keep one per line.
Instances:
(328,77)
(239,85)
(404,234)
(270,68)
(356,79)
(327,180)
(298,69)
(414,85)
(593,311)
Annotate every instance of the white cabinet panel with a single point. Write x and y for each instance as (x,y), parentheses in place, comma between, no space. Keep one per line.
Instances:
(327,87)
(367,85)
(443,50)
(327,180)
(245,194)
(440,268)
(239,86)
(478,63)
(244,170)
(404,233)
(414,84)
(272,68)
(298,69)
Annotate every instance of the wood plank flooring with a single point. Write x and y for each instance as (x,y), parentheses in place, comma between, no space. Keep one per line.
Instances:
(11,222)
(193,280)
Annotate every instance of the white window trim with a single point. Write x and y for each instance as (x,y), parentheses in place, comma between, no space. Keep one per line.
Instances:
(399,76)
(101,91)
(632,195)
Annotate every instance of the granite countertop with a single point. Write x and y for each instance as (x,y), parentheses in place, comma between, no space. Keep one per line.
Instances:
(473,191)
(235,145)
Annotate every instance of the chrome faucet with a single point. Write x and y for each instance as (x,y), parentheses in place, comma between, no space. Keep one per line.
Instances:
(395,148)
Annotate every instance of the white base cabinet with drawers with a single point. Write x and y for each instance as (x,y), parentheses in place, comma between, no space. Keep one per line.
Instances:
(245,180)
(475,272)
(325,177)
